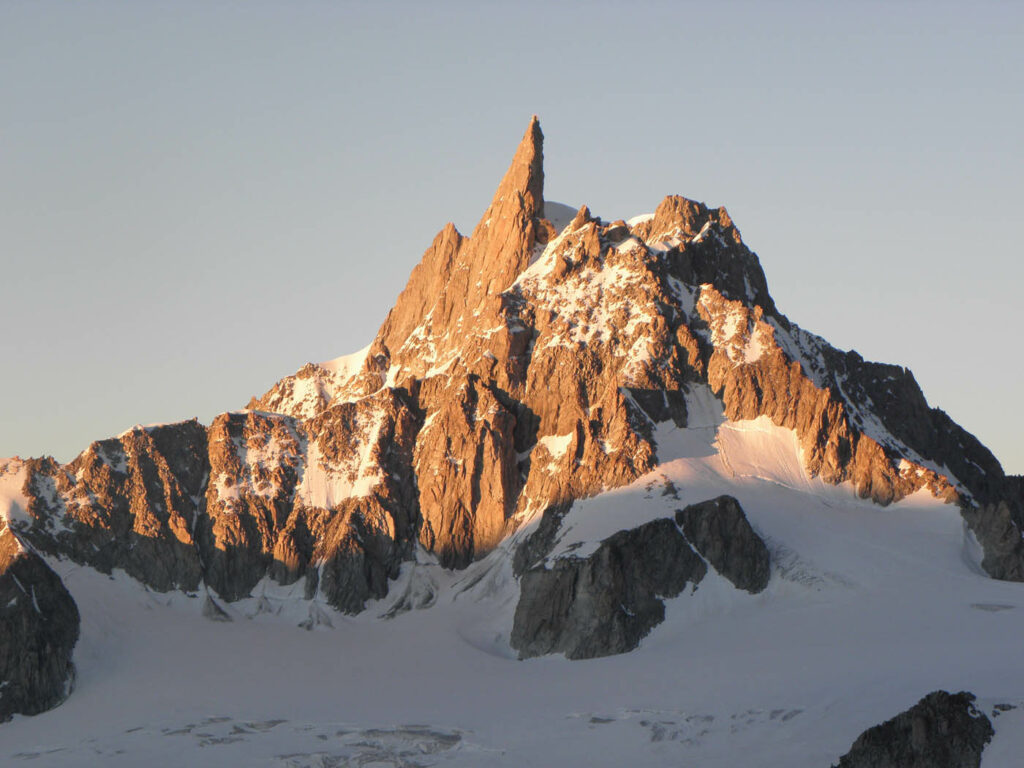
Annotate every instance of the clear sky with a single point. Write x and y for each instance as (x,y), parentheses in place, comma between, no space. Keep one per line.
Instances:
(198,198)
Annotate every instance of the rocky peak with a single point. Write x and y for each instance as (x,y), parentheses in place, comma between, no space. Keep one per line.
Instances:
(680,218)
(426,283)
(522,370)
(943,730)
(583,216)
(521,367)
(456,282)
(502,242)
(703,245)
(522,187)
(460,279)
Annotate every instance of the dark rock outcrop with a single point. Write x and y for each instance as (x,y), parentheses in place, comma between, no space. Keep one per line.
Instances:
(535,547)
(607,602)
(1000,539)
(719,530)
(942,730)
(39,625)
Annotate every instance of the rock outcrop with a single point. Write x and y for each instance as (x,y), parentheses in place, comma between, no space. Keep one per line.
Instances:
(38,631)
(607,601)
(1000,539)
(467,468)
(942,730)
(255,460)
(719,530)
(357,500)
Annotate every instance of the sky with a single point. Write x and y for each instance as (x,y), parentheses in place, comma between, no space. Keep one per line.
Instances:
(198,198)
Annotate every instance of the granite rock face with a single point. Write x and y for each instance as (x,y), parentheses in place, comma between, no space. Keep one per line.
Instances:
(257,495)
(942,730)
(609,600)
(38,630)
(328,498)
(254,465)
(129,502)
(467,469)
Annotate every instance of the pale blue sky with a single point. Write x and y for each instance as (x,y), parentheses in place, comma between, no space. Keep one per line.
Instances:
(198,198)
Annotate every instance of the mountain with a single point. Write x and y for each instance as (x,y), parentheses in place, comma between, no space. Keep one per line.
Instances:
(570,436)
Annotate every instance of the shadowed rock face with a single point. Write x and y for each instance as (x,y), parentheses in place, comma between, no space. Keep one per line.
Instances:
(606,602)
(522,367)
(38,631)
(942,730)
(718,529)
(1000,538)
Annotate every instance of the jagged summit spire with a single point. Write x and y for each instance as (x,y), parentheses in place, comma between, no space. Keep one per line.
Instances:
(457,273)
(530,155)
(522,187)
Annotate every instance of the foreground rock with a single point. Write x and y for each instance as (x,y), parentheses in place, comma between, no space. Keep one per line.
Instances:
(38,631)
(606,602)
(942,730)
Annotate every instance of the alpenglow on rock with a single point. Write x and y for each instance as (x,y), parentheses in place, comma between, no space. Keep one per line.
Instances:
(528,365)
